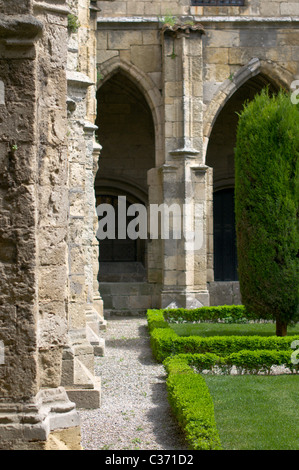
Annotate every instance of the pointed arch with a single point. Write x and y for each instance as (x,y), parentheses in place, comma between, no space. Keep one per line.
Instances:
(147,87)
(269,71)
(220,131)
(128,123)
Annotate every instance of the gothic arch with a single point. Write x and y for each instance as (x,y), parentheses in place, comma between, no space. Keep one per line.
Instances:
(272,73)
(112,185)
(128,128)
(147,87)
(220,139)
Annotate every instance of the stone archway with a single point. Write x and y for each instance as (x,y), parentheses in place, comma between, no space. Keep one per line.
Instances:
(273,73)
(126,130)
(147,88)
(220,156)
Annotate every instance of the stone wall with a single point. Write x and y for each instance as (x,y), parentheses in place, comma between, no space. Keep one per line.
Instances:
(19,200)
(187,83)
(259,8)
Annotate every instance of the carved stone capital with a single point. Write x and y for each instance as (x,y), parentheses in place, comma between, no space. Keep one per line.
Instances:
(182,29)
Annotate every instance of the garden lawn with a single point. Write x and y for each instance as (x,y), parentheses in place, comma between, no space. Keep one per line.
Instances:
(255,412)
(228,329)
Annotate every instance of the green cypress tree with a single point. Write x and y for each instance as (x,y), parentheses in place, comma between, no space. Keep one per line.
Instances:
(266,206)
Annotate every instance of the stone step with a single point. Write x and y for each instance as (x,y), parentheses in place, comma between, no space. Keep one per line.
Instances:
(122,272)
(129,297)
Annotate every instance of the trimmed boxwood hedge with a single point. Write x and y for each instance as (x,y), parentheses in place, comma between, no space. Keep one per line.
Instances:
(165,342)
(184,357)
(212,314)
(192,404)
(245,361)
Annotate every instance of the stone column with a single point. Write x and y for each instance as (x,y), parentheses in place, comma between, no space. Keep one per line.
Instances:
(185,178)
(34,208)
(94,303)
(78,365)
(98,304)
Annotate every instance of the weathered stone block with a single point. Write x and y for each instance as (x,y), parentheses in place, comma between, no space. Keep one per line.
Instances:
(147,58)
(217,55)
(289,8)
(123,39)
(53,283)
(50,362)
(52,245)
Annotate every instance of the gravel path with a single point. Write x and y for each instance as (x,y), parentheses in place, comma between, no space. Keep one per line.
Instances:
(134,414)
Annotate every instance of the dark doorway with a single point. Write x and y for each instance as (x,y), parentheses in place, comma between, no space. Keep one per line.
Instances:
(119,249)
(127,136)
(225,250)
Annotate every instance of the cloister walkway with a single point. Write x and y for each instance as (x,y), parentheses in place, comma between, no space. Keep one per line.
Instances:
(134,413)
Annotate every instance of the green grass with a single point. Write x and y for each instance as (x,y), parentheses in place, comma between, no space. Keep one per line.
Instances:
(256,412)
(227,329)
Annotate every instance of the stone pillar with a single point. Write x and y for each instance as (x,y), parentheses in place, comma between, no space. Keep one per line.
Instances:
(94,303)
(95,309)
(98,304)
(184,177)
(34,209)
(82,386)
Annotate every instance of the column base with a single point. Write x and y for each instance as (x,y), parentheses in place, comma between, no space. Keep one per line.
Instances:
(94,324)
(81,385)
(88,399)
(185,299)
(29,425)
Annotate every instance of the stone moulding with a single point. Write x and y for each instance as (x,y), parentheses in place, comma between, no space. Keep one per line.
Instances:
(78,79)
(19,28)
(204,19)
(254,67)
(248,19)
(128,19)
(60,9)
(185,152)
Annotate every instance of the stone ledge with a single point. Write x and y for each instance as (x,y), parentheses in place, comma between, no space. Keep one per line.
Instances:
(20,27)
(248,19)
(59,9)
(202,19)
(78,79)
(86,398)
